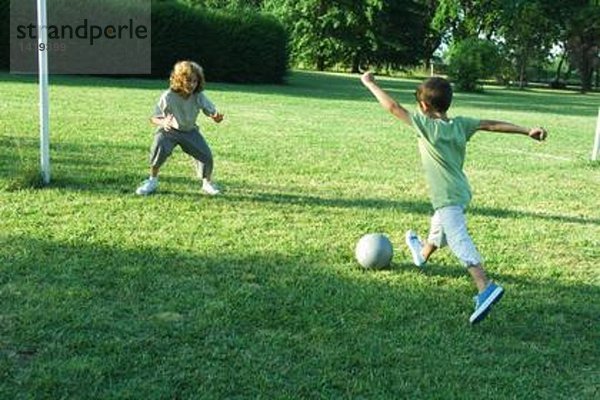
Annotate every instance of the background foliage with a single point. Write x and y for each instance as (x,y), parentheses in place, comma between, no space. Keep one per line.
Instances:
(231,46)
(530,32)
(551,41)
(471,60)
(5,35)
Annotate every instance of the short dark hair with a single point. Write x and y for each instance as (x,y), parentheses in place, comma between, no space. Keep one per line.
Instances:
(436,93)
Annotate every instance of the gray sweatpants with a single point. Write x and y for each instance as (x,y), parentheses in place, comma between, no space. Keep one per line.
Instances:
(191,142)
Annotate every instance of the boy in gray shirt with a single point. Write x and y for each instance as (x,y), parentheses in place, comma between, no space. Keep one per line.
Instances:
(175,115)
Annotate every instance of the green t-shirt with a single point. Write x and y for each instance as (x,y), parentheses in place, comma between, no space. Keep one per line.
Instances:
(442,145)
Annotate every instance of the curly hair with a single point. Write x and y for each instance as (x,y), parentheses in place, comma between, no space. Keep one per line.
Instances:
(182,72)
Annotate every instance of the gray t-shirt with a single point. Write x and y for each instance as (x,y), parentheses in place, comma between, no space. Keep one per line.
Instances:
(185,111)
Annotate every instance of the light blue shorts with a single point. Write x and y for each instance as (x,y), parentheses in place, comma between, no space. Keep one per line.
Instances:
(449,227)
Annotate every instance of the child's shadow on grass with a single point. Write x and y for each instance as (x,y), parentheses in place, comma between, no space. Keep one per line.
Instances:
(126,183)
(532,310)
(417,207)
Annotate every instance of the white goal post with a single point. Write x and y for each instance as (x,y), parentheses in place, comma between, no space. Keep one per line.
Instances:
(43,87)
(596,149)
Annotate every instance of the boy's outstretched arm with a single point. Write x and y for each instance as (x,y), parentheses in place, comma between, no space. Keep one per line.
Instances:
(537,133)
(385,99)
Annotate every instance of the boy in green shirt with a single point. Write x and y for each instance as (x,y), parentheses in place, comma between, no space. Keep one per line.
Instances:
(442,144)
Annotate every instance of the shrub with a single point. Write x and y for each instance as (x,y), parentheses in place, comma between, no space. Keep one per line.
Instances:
(471,60)
(233,47)
(5,35)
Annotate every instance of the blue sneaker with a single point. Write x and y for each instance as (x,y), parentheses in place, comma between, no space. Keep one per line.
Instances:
(484,301)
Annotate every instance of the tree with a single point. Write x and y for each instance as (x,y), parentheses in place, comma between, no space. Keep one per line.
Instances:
(226,4)
(462,19)
(583,42)
(470,60)
(354,32)
(527,34)
(400,30)
(310,24)
(578,22)
(433,34)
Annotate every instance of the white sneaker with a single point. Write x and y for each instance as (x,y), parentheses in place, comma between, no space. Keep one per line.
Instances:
(147,187)
(209,188)
(416,248)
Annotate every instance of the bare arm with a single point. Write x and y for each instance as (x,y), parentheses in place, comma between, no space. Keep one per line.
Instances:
(385,99)
(217,117)
(208,108)
(158,121)
(537,133)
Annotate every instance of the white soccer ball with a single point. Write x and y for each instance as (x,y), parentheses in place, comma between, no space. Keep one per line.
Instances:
(374,250)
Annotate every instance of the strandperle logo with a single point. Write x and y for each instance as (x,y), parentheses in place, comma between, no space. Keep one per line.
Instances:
(85,30)
(82,36)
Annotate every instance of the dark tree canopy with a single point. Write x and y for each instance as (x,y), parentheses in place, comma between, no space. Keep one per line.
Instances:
(354,34)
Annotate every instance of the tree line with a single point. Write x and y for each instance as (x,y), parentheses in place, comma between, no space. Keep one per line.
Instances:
(503,38)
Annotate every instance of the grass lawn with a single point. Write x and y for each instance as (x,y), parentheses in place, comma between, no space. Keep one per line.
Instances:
(256,293)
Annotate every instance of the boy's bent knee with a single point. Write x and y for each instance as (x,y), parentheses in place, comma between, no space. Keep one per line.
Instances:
(464,249)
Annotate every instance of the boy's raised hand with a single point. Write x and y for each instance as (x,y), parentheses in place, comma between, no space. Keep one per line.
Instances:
(538,133)
(367,77)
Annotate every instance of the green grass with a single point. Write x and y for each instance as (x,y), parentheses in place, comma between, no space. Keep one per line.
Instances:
(256,294)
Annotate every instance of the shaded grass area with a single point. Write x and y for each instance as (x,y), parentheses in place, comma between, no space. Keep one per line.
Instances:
(256,294)
(159,323)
